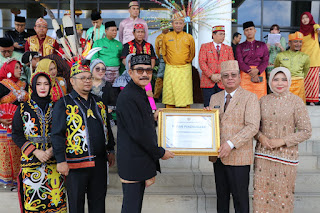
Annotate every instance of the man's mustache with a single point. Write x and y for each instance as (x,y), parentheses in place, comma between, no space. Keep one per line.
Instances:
(144,78)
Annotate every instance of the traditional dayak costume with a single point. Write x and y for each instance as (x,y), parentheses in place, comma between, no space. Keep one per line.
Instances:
(44,46)
(310,46)
(12,90)
(41,187)
(81,136)
(298,63)
(110,54)
(253,54)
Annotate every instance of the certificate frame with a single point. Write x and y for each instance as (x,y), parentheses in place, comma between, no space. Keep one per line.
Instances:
(179,113)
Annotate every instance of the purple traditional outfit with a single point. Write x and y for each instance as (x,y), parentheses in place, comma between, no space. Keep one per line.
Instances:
(253,54)
(126,29)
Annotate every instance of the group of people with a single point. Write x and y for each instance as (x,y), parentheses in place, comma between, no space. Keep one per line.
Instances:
(60,138)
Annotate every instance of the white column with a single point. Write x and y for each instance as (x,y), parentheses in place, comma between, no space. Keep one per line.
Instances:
(205,34)
(315,8)
(6,20)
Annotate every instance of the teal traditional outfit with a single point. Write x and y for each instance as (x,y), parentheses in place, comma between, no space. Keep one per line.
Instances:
(99,33)
(15,55)
(273,52)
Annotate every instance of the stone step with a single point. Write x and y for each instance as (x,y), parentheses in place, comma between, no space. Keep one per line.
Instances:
(171,202)
(192,180)
(308,163)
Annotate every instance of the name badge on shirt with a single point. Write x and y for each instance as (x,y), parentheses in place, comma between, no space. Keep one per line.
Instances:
(246,50)
(285,59)
(171,40)
(210,51)
(105,47)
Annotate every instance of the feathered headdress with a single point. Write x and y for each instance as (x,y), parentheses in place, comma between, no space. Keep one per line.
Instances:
(191,12)
(69,42)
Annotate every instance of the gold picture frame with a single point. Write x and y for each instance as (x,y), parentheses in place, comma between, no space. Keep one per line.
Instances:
(189,132)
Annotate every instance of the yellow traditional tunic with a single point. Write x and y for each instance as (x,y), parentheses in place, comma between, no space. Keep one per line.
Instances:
(158,44)
(311,47)
(178,50)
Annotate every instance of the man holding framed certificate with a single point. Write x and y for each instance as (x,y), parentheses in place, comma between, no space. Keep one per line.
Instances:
(239,114)
(138,153)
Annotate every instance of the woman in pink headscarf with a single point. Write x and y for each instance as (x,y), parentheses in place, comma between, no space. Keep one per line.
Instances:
(310,46)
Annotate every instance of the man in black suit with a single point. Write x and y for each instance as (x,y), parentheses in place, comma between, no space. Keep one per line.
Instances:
(138,153)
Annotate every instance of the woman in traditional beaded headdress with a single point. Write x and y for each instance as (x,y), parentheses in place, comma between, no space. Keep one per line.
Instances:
(41,187)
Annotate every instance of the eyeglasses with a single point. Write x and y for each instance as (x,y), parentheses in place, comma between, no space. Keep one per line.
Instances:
(226,76)
(141,71)
(41,26)
(84,79)
(98,69)
(6,51)
(20,25)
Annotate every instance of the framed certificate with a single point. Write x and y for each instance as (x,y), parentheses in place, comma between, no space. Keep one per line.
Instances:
(189,131)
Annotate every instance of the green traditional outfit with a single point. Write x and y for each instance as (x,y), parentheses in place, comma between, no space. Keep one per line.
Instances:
(273,52)
(298,63)
(110,55)
(15,55)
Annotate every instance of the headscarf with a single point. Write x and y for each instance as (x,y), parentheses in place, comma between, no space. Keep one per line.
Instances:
(7,70)
(95,62)
(286,72)
(44,65)
(41,101)
(307,29)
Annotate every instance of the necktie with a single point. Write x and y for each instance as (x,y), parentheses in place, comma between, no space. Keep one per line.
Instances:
(227,101)
(218,50)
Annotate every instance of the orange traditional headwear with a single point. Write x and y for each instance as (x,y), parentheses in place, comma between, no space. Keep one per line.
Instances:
(296,36)
(231,65)
(218,28)
(41,21)
(138,26)
(133,3)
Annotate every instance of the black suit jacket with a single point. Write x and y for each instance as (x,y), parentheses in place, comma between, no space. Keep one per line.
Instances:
(138,153)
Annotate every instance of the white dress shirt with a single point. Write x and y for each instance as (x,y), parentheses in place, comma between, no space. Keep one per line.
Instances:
(215,45)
